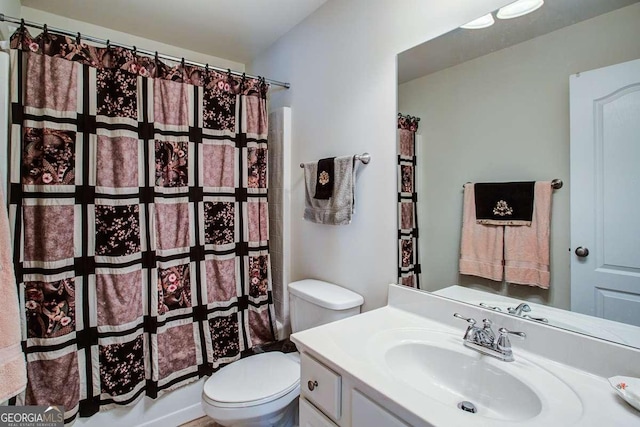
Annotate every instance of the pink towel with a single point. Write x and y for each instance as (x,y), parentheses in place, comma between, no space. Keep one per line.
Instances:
(13,372)
(480,245)
(526,249)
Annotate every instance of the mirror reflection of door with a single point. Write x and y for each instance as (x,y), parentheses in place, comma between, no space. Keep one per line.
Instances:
(605,184)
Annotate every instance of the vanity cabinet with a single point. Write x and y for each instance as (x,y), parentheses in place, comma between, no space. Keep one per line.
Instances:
(365,412)
(312,417)
(329,398)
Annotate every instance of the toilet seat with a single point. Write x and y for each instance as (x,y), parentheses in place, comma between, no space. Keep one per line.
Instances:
(253,381)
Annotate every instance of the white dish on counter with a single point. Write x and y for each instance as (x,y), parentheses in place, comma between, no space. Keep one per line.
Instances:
(628,388)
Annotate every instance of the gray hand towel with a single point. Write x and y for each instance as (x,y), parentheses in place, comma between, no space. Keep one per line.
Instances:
(338,209)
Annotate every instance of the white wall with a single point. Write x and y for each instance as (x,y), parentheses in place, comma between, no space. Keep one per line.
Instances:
(505,117)
(62,22)
(8,8)
(341,62)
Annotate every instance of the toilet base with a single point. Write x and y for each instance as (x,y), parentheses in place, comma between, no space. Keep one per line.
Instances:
(287,417)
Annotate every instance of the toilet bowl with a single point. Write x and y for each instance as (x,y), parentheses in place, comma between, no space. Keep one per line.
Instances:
(263,390)
(260,390)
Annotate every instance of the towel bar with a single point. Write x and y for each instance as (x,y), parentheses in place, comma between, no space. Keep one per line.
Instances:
(556,184)
(364,158)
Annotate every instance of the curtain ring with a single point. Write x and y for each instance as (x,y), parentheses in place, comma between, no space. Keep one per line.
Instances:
(22,24)
(155,57)
(206,68)
(78,38)
(45,30)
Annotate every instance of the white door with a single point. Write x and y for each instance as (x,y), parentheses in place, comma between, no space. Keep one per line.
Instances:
(605,192)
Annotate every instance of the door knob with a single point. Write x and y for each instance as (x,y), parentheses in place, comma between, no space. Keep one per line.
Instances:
(582,252)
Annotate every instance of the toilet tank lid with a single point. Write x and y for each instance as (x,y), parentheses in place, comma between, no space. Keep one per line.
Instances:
(325,294)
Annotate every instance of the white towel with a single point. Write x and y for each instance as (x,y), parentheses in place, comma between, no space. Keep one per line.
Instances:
(338,209)
(13,368)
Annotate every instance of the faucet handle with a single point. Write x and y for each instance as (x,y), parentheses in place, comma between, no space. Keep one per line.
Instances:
(472,331)
(503,345)
(537,319)
(470,320)
(504,332)
(491,307)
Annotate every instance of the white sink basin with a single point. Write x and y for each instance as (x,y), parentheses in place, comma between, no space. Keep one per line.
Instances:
(437,365)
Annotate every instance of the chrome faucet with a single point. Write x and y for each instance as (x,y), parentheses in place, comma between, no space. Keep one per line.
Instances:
(525,308)
(485,341)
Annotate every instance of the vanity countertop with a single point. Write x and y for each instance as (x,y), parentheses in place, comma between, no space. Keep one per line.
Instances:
(350,346)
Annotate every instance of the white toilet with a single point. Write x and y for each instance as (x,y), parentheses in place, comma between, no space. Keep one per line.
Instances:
(263,389)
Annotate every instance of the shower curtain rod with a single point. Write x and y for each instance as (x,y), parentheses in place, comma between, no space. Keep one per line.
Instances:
(3,17)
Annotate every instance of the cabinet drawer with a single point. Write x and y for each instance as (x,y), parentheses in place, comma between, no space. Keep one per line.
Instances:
(321,386)
(311,417)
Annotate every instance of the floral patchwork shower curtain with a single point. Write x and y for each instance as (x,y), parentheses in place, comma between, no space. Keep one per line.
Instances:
(139,199)
(408,260)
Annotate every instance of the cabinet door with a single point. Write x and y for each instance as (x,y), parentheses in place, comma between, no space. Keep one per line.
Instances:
(366,413)
(311,417)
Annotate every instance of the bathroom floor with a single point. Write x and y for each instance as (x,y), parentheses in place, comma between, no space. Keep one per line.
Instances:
(201,422)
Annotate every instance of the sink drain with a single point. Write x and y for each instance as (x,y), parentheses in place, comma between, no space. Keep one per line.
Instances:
(467,406)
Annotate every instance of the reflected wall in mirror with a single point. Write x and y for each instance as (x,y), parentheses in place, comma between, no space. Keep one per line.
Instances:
(494,105)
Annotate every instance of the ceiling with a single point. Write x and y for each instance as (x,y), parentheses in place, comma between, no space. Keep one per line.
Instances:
(231,29)
(462,45)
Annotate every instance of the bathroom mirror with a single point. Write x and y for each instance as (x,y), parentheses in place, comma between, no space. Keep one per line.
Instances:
(494,106)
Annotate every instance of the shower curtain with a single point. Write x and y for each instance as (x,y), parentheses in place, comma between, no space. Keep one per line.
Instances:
(139,201)
(408,260)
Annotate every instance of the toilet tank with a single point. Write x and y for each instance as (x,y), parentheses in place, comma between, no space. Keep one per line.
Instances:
(314,303)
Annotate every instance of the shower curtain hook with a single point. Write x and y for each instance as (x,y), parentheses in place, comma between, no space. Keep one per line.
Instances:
(22,24)
(45,30)
(155,57)
(78,38)
(108,44)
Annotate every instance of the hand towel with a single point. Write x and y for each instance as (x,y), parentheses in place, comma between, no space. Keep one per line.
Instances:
(325,178)
(526,249)
(339,209)
(480,245)
(13,369)
(504,203)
